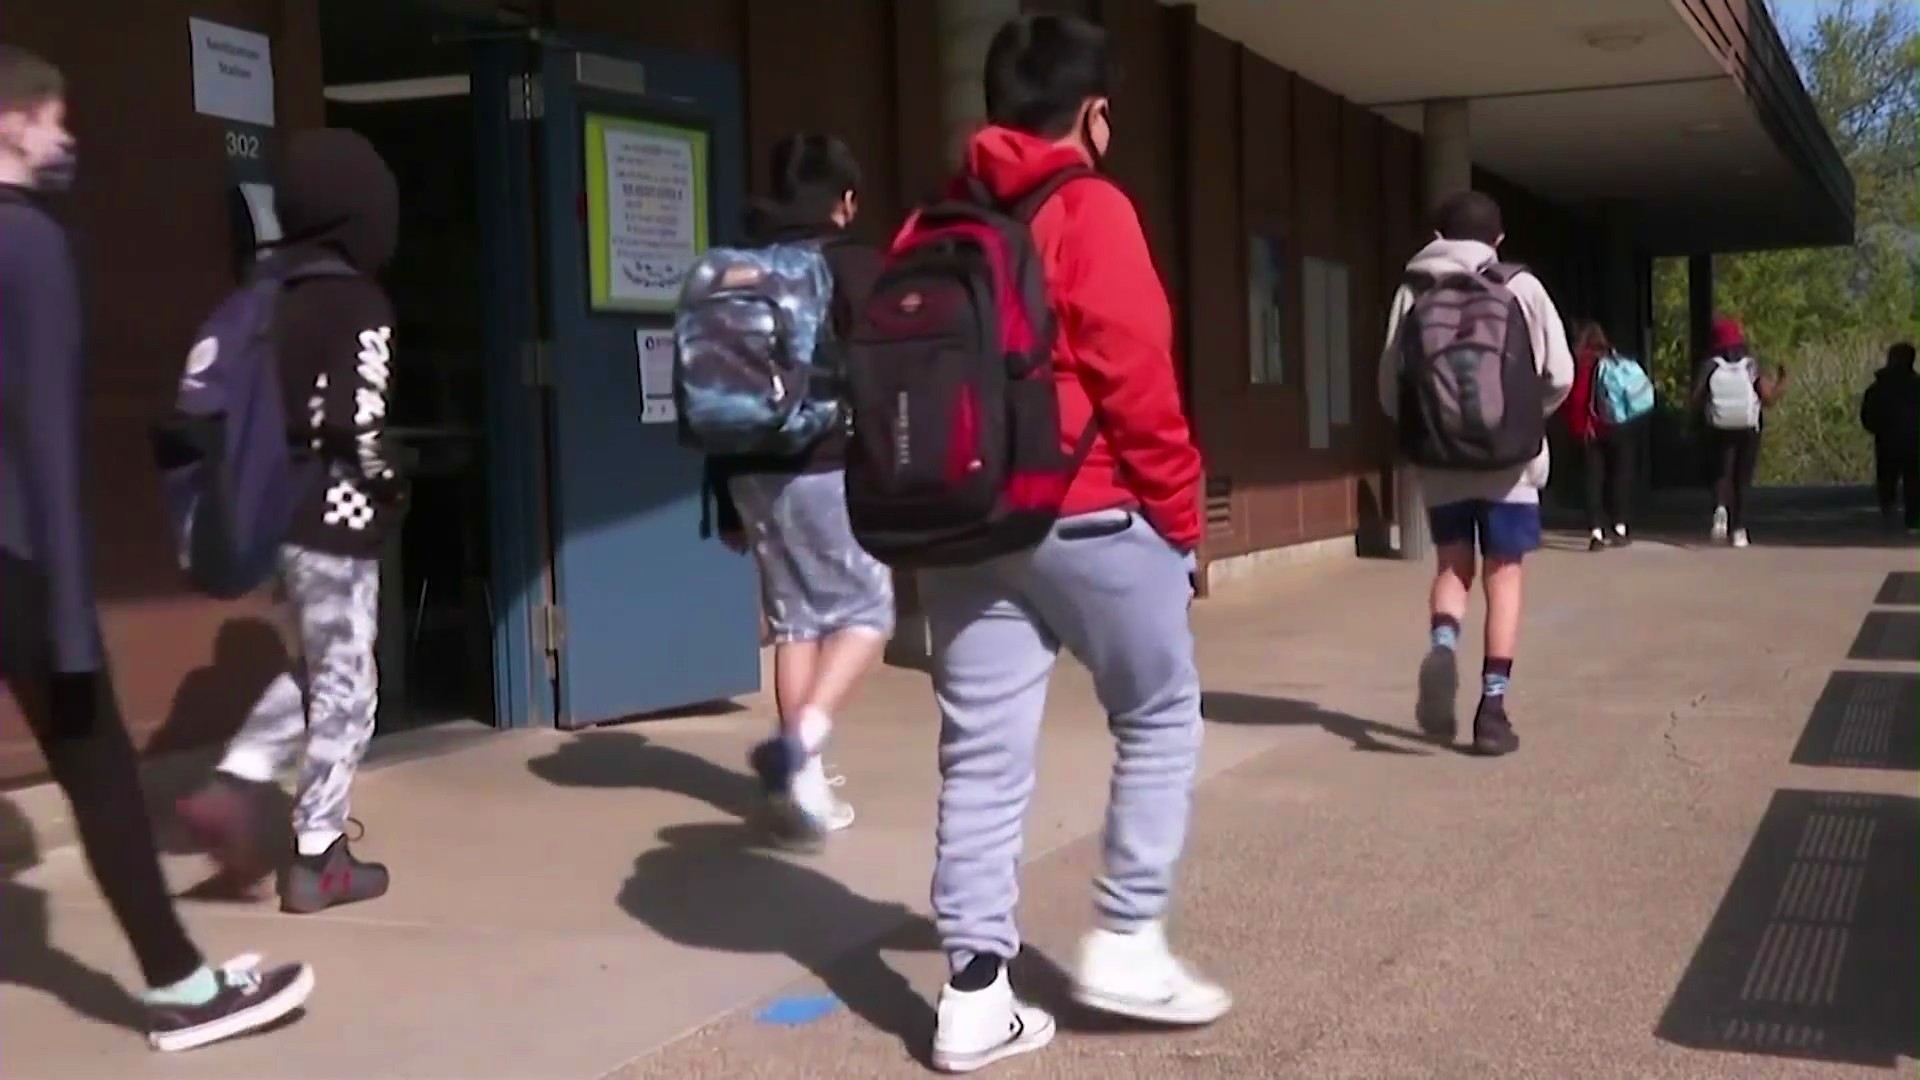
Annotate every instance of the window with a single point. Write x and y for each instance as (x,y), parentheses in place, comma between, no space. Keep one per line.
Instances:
(1266,361)
(1324,287)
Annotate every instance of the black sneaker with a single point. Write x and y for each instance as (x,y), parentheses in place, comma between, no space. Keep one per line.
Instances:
(248,1000)
(1596,542)
(1439,684)
(1492,732)
(315,883)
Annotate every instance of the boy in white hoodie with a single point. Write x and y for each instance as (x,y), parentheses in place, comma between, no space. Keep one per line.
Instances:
(1501,508)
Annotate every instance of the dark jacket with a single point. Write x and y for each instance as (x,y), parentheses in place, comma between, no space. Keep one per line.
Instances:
(337,199)
(1890,409)
(855,267)
(43,517)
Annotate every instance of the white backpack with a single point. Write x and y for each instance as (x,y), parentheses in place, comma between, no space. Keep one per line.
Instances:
(1733,404)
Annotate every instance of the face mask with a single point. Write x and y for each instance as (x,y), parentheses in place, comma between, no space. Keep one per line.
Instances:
(57,172)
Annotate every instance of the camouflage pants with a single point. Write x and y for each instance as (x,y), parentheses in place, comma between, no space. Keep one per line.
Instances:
(333,602)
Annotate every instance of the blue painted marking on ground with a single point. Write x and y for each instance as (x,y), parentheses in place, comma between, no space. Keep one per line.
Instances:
(798,1011)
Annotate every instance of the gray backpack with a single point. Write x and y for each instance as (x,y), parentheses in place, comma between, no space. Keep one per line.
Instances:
(1471,396)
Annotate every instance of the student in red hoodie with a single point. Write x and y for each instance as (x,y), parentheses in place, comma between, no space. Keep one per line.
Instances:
(1606,451)
(1112,583)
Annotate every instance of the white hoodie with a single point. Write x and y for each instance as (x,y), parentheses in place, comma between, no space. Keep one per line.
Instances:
(1522,483)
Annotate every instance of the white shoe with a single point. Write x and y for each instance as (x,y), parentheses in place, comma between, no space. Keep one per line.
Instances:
(811,803)
(979,1027)
(1740,538)
(1134,975)
(1719,531)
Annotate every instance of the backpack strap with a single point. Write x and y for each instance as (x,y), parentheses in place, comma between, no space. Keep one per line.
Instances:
(1502,272)
(1028,205)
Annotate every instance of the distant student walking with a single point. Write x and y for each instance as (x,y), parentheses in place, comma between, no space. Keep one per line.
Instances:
(1731,392)
(1890,411)
(1606,448)
(1481,449)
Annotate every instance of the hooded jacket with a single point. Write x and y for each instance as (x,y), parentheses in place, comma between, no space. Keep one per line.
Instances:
(337,199)
(855,267)
(1551,354)
(1113,358)
(1890,409)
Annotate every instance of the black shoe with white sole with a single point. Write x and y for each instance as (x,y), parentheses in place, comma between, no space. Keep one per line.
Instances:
(248,999)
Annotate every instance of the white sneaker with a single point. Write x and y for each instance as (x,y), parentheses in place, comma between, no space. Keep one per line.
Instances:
(1740,538)
(1719,531)
(979,1027)
(1134,975)
(811,800)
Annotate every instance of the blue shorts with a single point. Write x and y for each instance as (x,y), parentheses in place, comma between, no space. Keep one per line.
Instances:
(1505,530)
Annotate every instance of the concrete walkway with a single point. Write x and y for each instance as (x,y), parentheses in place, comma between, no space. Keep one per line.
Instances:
(579,907)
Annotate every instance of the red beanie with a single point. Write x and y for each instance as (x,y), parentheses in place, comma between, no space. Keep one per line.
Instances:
(1727,333)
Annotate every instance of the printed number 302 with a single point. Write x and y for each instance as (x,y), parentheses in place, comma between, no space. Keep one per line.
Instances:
(242,145)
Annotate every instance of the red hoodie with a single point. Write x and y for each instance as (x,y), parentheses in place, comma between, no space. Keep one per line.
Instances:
(1114,355)
(1578,408)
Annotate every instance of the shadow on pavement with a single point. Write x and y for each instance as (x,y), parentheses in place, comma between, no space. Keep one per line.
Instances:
(1815,951)
(1255,710)
(27,955)
(1864,720)
(711,886)
(624,759)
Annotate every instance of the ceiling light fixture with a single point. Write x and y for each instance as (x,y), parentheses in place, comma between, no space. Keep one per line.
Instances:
(1615,39)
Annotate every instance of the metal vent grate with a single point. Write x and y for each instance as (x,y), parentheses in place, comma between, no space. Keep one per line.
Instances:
(1219,505)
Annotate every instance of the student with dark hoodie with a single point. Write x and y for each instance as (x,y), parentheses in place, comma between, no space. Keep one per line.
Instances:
(827,602)
(50,651)
(334,338)
(1890,411)
(1111,582)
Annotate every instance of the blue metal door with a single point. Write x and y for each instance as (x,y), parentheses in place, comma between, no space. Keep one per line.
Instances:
(641,164)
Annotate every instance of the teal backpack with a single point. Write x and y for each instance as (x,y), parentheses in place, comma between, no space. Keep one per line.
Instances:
(1622,393)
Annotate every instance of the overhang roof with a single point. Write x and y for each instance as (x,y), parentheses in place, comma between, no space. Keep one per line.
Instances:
(1687,114)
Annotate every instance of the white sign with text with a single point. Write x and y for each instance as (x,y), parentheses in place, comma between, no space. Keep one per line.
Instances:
(232,73)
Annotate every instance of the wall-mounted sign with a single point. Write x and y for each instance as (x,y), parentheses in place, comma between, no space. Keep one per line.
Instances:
(647,205)
(656,376)
(232,73)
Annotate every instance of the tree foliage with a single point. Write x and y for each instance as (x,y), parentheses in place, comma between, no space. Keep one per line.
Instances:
(1830,306)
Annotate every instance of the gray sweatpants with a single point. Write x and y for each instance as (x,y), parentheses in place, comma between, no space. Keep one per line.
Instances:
(334,600)
(1114,593)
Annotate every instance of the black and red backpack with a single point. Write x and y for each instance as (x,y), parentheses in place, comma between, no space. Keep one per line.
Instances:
(956,455)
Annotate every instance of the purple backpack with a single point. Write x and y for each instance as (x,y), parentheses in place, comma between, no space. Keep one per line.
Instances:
(233,475)
(1471,396)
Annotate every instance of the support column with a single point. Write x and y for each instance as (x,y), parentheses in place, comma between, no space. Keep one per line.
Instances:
(1447,143)
(965,29)
(1699,306)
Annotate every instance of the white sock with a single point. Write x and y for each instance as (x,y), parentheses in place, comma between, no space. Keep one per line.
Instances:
(1598,535)
(812,728)
(1620,530)
(316,841)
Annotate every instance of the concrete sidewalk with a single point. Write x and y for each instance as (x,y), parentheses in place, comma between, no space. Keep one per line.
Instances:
(576,907)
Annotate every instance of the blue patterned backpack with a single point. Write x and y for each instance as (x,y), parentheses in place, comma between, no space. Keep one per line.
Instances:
(749,376)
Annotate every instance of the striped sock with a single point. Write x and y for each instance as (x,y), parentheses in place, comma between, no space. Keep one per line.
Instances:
(1494,677)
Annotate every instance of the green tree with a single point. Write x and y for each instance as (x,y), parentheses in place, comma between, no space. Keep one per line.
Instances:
(1829,312)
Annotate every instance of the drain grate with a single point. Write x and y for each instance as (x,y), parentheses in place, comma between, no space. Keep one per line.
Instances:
(1864,720)
(1814,952)
(1899,590)
(1888,635)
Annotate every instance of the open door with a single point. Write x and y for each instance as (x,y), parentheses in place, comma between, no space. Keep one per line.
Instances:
(638,166)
